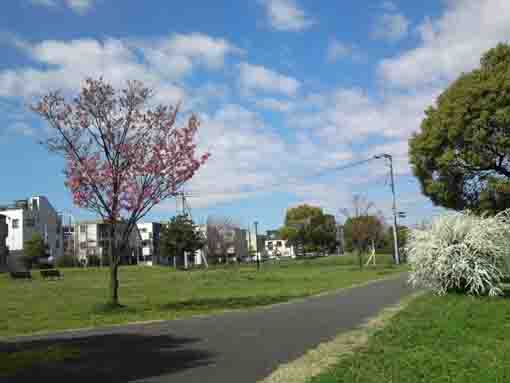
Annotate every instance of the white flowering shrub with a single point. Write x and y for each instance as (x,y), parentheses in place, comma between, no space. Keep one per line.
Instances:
(461,252)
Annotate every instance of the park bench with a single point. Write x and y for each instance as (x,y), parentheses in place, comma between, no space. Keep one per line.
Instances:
(51,273)
(21,275)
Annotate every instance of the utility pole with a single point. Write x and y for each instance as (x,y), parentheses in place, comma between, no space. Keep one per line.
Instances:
(257,245)
(389,157)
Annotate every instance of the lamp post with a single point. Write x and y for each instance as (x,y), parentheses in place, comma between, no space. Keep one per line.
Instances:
(257,245)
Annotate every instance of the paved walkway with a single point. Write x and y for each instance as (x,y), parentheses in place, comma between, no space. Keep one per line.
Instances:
(230,347)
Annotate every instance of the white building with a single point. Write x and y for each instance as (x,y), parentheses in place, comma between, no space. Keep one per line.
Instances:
(279,248)
(150,236)
(35,215)
(91,241)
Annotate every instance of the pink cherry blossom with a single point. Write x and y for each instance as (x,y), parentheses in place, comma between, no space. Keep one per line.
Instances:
(122,156)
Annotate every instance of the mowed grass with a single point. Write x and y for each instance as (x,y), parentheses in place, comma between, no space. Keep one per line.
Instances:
(155,293)
(450,339)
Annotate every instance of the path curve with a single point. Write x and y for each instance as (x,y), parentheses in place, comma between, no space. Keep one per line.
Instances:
(242,346)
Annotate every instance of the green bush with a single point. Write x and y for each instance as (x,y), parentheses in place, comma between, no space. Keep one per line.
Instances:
(96,261)
(67,260)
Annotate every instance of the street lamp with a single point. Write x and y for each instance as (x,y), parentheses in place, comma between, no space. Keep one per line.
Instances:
(257,245)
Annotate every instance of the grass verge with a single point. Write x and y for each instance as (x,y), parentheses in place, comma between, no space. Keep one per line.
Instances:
(450,339)
(326,355)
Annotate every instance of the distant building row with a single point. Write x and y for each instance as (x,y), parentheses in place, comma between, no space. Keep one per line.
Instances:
(89,240)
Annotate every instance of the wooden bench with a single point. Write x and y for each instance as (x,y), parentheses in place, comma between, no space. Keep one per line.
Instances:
(51,273)
(21,275)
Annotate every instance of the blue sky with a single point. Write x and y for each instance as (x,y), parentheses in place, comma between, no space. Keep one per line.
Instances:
(285,89)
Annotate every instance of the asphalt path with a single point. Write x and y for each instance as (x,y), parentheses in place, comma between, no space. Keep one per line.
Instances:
(241,346)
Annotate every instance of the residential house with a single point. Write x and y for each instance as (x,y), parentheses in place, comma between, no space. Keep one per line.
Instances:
(28,217)
(92,240)
(277,247)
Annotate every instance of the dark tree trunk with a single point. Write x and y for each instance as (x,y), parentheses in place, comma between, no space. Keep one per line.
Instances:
(360,258)
(114,284)
(114,268)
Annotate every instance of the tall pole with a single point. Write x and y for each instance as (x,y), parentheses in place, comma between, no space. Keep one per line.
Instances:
(257,245)
(394,208)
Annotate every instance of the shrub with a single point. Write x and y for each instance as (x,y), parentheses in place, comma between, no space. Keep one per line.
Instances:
(67,260)
(93,261)
(461,252)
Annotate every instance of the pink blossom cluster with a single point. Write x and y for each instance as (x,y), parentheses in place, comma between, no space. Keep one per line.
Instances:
(121,157)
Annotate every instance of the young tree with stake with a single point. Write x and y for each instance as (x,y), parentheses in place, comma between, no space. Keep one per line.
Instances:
(122,156)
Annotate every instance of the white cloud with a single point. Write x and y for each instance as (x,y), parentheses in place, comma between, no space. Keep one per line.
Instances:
(175,56)
(254,77)
(391,26)
(44,3)
(274,104)
(389,6)
(69,62)
(451,44)
(78,6)
(285,15)
(338,50)
(352,115)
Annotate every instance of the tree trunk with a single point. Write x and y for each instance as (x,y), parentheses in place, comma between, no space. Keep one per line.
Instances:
(114,268)
(114,284)
(360,258)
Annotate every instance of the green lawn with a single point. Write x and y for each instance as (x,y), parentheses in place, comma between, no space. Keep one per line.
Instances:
(450,339)
(152,293)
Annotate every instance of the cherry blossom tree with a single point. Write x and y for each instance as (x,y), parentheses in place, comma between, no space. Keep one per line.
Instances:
(122,156)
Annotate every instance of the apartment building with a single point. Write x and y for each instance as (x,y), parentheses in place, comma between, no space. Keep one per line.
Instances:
(27,217)
(91,240)
(228,244)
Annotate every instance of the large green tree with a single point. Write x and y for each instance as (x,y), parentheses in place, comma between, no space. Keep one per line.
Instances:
(309,226)
(302,214)
(180,237)
(461,155)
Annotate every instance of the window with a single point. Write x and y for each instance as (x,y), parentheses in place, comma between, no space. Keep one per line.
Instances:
(146,243)
(83,229)
(83,245)
(279,244)
(15,223)
(270,245)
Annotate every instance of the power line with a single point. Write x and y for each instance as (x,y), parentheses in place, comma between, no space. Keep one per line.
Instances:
(290,181)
